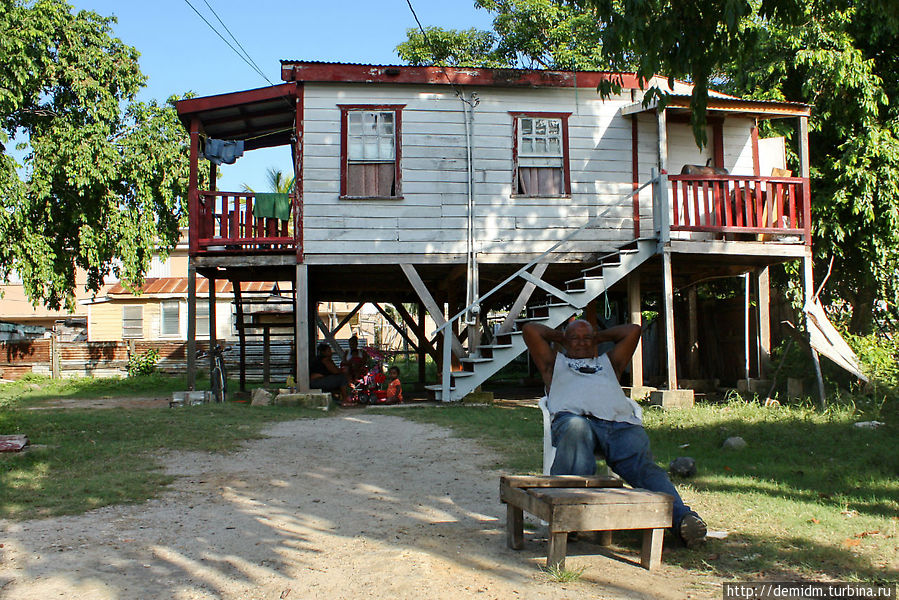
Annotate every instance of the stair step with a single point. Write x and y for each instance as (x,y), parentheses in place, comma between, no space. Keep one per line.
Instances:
(475,359)
(529,320)
(462,373)
(436,387)
(497,346)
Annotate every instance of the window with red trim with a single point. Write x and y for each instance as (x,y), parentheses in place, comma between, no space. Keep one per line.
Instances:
(370,151)
(540,155)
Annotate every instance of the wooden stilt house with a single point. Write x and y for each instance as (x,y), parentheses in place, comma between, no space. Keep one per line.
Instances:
(469,191)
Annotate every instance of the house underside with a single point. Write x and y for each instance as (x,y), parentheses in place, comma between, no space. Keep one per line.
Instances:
(450,223)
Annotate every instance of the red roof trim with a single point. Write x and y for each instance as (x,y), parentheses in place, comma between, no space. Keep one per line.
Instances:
(352,73)
(195,105)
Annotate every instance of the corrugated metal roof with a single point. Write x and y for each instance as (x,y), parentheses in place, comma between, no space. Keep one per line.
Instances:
(178,286)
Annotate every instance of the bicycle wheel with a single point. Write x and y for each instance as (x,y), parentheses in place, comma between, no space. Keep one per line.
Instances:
(218,386)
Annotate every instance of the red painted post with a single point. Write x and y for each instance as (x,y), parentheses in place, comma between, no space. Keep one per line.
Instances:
(193,203)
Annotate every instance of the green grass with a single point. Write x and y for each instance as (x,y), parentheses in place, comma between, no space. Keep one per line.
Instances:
(810,495)
(563,575)
(85,459)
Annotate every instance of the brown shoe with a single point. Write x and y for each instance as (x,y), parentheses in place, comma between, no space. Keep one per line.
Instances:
(692,530)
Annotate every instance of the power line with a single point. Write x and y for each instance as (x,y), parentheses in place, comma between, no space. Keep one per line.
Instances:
(242,57)
(247,54)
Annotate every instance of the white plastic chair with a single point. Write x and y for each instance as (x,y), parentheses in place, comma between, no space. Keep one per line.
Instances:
(549,451)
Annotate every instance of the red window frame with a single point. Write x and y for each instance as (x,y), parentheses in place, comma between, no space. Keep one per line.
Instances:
(397,110)
(566,170)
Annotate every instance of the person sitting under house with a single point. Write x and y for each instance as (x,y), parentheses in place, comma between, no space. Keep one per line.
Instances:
(325,375)
(395,387)
(355,359)
(590,412)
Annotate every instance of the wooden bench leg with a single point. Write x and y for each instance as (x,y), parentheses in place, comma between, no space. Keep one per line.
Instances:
(651,555)
(557,547)
(514,527)
(604,538)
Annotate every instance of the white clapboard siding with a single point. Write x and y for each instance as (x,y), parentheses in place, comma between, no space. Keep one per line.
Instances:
(431,216)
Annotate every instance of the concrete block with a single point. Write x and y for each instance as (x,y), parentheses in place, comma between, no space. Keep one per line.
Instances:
(702,386)
(311,400)
(754,386)
(639,392)
(795,388)
(478,397)
(190,398)
(672,398)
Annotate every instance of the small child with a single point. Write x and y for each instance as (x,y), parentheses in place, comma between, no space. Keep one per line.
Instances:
(395,387)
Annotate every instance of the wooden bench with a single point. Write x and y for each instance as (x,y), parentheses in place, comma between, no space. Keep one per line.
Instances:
(571,503)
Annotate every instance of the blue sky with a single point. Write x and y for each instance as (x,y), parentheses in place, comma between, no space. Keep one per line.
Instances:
(180,53)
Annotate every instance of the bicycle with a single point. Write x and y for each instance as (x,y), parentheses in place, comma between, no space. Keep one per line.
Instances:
(218,380)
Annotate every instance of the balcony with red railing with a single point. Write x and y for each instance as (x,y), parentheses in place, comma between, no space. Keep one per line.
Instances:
(774,208)
(230,223)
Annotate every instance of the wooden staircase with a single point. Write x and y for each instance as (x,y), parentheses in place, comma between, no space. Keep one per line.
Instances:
(559,307)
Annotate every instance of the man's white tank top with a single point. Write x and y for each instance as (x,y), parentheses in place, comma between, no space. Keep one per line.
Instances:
(588,386)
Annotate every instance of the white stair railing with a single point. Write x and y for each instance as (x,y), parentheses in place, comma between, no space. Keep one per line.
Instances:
(660,195)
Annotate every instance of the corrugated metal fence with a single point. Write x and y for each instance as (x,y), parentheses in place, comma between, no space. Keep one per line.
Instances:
(103,359)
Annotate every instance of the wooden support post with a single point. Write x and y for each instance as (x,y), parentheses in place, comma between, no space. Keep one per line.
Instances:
(523,297)
(763,285)
(693,332)
(651,555)
(191,325)
(302,334)
(266,354)
(212,331)
(558,547)
(329,337)
(514,527)
(422,345)
(668,284)
(428,300)
(241,334)
(346,319)
(54,354)
(636,317)
(662,149)
(809,291)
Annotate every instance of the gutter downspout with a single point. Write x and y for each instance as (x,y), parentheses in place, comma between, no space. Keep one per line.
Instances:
(472,291)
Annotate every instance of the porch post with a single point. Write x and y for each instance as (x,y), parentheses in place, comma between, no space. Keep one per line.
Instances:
(301,335)
(636,317)
(662,123)
(191,324)
(669,318)
(693,332)
(212,328)
(193,200)
(763,285)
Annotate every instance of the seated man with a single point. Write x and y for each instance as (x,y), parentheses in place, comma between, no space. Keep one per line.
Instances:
(590,411)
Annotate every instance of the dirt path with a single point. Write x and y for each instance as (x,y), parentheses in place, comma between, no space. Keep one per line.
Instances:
(357,506)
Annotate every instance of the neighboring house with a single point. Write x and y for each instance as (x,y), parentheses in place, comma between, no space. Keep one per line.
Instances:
(430,185)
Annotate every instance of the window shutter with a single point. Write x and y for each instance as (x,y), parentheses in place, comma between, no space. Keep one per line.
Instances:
(170,324)
(132,322)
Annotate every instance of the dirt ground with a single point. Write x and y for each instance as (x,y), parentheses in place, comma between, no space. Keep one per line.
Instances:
(356,506)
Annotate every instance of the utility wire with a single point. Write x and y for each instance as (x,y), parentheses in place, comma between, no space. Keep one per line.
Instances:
(442,66)
(212,27)
(236,41)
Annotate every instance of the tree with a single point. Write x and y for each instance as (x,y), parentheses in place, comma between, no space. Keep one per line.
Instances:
(102,182)
(843,63)
(277,182)
(544,34)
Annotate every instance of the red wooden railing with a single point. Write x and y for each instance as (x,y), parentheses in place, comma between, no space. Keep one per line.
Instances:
(225,223)
(741,204)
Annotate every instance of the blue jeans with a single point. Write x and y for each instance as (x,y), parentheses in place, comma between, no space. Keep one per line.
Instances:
(625,447)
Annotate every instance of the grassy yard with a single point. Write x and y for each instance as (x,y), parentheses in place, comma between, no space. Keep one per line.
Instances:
(810,496)
(84,459)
